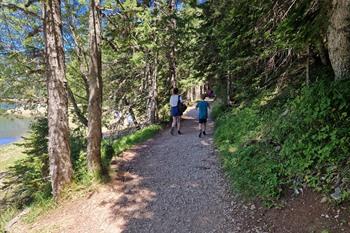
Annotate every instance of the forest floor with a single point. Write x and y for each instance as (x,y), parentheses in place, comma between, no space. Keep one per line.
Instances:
(176,184)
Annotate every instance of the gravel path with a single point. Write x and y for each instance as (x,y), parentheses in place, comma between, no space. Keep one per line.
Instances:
(168,184)
(189,192)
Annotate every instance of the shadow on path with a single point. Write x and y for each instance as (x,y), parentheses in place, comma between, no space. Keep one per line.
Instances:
(171,184)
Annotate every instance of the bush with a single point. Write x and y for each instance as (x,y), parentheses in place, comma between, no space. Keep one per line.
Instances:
(126,142)
(218,109)
(303,141)
(29,178)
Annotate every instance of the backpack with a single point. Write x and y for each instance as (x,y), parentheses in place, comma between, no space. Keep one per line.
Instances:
(181,106)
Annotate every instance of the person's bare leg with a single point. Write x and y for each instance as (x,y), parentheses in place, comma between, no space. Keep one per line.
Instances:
(178,124)
(204,128)
(200,129)
(173,124)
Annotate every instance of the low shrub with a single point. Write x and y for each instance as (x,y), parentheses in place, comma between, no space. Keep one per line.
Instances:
(303,141)
(126,142)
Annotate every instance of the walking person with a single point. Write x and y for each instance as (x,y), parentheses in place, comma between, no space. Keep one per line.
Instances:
(202,107)
(175,101)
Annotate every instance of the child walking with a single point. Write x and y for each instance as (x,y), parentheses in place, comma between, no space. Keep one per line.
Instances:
(202,107)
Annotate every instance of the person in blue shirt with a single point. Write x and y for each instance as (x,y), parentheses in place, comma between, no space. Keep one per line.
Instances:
(202,107)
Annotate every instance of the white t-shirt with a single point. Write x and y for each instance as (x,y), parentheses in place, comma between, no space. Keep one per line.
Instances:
(174,100)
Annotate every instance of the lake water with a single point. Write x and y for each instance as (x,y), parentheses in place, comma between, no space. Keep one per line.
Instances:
(11,129)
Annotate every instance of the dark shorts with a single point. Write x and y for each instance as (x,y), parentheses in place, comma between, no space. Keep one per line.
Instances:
(202,121)
(175,111)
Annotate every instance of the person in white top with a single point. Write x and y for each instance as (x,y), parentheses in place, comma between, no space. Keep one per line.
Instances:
(175,99)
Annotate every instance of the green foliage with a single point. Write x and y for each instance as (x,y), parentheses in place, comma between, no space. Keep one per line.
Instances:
(302,141)
(28,180)
(6,216)
(107,155)
(315,132)
(29,176)
(218,109)
(127,142)
(41,205)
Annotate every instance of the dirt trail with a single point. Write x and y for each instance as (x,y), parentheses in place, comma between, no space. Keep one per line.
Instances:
(168,184)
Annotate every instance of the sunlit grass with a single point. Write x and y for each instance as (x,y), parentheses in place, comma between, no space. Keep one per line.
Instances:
(127,142)
(9,154)
(6,216)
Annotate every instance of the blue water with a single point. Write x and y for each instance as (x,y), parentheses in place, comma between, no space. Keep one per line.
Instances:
(12,128)
(7,106)
(4,141)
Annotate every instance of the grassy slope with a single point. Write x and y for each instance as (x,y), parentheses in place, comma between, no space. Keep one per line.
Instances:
(288,143)
(9,154)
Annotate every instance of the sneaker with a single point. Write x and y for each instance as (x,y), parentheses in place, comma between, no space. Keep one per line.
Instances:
(172,131)
(200,134)
(179,132)
(204,133)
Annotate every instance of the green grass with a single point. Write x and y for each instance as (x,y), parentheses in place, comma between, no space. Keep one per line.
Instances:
(38,208)
(142,135)
(279,144)
(6,216)
(9,154)
(113,148)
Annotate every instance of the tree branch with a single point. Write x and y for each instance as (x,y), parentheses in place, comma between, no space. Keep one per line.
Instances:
(15,7)
(76,108)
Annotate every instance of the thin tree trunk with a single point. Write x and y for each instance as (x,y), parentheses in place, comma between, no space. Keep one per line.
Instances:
(172,46)
(308,66)
(95,91)
(153,108)
(58,148)
(228,89)
(339,39)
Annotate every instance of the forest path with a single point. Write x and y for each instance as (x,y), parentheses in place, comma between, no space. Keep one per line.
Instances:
(167,184)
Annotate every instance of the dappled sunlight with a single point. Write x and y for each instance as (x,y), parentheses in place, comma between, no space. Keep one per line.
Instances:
(132,202)
(205,143)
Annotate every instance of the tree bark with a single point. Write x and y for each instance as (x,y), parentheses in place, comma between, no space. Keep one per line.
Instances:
(95,91)
(228,89)
(307,66)
(339,39)
(59,150)
(153,108)
(172,46)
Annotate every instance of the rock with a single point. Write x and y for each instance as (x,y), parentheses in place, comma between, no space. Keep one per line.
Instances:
(285,113)
(324,200)
(337,194)
(252,207)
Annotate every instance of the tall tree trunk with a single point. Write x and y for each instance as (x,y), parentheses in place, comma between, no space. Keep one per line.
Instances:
(153,108)
(58,148)
(172,44)
(339,39)
(95,91)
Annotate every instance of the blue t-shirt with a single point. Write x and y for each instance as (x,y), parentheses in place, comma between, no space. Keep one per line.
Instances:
(202,107)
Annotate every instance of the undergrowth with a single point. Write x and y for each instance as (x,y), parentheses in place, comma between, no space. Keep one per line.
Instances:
(27,183)
(279,144)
